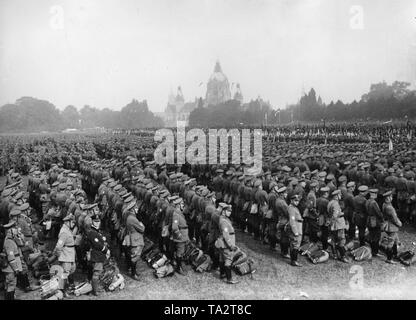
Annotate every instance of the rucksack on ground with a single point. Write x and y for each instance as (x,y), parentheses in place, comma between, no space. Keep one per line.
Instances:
(308,248)
(203,263)
(362,253)
(318,256)
(239,257)
(244,268)
(164,271)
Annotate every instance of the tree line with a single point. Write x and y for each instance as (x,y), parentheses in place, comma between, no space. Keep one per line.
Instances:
(382,102)
(29,114)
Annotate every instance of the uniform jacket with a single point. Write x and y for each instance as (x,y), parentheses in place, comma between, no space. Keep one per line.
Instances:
(336,216)
(226,240)
(135,229)
(65,247)
(348,205)
(98,245)
(311,211)
(179,227)
(375,216)
(295,220)
(14,255)
(282,211)
(392,221)
(322,208)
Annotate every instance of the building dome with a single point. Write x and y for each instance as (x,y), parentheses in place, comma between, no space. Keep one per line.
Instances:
(218,87)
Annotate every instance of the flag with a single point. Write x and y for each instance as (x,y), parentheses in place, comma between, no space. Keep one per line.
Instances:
(390,145)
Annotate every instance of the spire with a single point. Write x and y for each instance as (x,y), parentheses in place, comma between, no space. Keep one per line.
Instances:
(217,67)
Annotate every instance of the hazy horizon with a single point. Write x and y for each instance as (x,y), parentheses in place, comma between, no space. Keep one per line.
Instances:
(105,53)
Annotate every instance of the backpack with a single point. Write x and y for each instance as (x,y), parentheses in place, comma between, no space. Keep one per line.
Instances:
(362,253)
(160,262)
(158,256)
(308,248)
(239,257)
(151,254)
(196,254)
(384,243)
(352,245)
(244,268)
(190,247)
(407,258)
(164,271)
(203,263)
(318,256)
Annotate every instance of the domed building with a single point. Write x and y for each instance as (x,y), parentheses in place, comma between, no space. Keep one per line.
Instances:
(218,87)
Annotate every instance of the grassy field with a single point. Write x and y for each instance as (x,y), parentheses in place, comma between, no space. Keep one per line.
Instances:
(275,279)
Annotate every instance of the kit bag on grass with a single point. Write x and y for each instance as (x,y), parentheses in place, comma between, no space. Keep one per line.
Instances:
(352,245)
(195,255)
(244,268)
(308,248)
(318,256)
(155,259)
(190,247)
(407,257)
(239,257)
(384,243)
(362,253)
(203,263)
(164,271)
(151,254)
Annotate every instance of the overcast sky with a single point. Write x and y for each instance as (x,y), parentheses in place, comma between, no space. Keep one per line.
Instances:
(105,53)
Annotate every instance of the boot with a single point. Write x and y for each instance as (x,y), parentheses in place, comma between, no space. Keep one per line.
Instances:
(179,268)
(95,287)
(26,284)
(19,281)
(390,257)
(222,271)
(229,276)
(394,251)
(342,256)
(71,282)
(284,248)
(294,258)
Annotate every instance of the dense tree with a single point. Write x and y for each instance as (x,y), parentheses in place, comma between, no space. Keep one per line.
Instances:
(33,115)
(70,117)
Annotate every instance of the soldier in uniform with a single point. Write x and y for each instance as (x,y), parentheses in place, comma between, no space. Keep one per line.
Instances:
(99,252)
(295,229)
(179,233)
(323,221)
(349,209)
(134,233)
(311,214)
(283,219)
(375,221)
(360,212)
(65,250)
(392,226)
(337,225)
(226,243)
(14,256)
